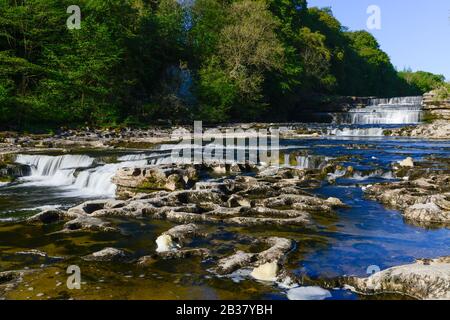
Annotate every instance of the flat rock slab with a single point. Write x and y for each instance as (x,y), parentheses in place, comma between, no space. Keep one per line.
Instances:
(424,279)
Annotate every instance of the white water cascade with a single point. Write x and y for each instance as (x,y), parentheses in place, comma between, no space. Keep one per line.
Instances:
(402,110)
(311,162)
(76,174)
(356,132)
(53,170)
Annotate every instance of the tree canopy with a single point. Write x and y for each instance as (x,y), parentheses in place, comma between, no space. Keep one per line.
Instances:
(143,61)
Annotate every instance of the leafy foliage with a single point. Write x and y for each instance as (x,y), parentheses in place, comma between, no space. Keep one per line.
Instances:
(421,81)
(141,61)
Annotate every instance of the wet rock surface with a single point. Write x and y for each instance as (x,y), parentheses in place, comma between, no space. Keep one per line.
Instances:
(424,200)
(423,279)
(130,181)
(85,138)
(266,197)
(107,254)
(439,129)
(87,223)
(9,280)
(231,221)
(243,200)
(47,216)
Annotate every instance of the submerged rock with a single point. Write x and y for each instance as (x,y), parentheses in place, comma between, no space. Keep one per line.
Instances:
(424,279)
(9,280)
(107,254)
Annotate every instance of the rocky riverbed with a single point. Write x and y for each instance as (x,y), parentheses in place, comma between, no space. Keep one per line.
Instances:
(439,129)
(335,207)
(424,279)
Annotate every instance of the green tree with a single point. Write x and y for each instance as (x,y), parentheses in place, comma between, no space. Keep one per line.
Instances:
(422,81)
(248,47)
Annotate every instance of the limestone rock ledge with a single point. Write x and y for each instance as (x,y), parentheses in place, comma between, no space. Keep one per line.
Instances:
(439,129)
(437,111)
(425,201)
(426,279)
(436,106)
(131,181)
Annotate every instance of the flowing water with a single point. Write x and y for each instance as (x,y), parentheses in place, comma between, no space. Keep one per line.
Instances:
(364,235)
(405,110)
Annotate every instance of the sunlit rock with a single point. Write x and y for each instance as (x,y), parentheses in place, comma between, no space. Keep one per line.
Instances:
(408,162)
(165,243)
(266,272)
(107,254)
(308,293)
(423,279)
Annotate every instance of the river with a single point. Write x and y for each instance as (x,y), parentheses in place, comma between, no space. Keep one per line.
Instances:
(364,237)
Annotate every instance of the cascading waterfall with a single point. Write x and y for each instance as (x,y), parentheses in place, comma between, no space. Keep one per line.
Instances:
(97,181)
(134,157)
(356,132)
(53,170)
(401,110)
(306,161)
(396,101)
(75,173)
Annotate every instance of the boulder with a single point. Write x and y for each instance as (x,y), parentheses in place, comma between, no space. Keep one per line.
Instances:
(423,279)
(131,181)
(408,162)
(47,216)
(165,243)
(88,223)
(425,200)
(266,272)
(107,254)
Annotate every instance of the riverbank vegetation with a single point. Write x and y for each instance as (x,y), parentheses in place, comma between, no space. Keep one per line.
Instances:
(140,61)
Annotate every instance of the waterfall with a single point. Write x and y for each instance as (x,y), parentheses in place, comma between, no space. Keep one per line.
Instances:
(356,132)
(303,162)
(53,170)
(134,157)
(307,161)
(401,110)
(97,181)
(74,173)
(396,101)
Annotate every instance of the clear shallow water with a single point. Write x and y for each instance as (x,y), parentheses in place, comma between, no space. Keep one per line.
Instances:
(366,234)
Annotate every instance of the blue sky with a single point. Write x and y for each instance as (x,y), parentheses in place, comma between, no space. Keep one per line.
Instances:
(414,33)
